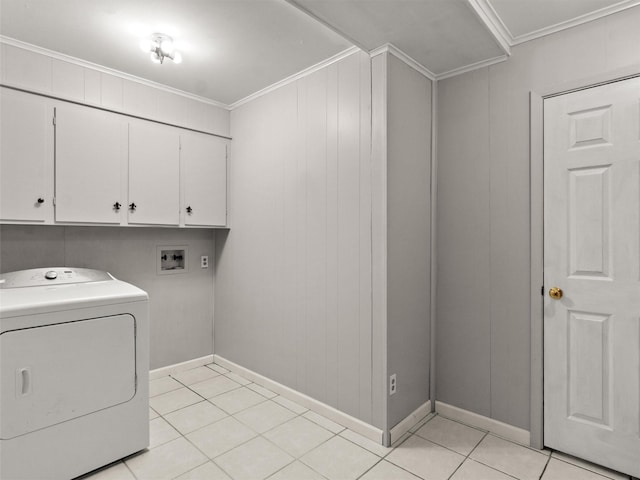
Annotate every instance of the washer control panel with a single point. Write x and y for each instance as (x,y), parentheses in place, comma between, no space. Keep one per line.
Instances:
(51,276)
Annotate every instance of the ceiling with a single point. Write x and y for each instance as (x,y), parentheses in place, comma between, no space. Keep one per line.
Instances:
(234,48)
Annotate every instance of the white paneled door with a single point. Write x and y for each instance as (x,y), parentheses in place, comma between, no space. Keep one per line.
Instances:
(592,255)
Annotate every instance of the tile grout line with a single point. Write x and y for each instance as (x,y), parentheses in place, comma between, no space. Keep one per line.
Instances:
(494,468)
(380,460)
(131,471)
(468,456)
(545,466)
(603,475)
(314,448)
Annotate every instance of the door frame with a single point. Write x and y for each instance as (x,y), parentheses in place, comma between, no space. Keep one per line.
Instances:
(536,176)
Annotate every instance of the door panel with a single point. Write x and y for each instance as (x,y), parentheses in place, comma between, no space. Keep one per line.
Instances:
(588,222)
(592,252)
(589,369)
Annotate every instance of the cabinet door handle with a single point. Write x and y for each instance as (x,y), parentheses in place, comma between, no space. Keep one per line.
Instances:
(189,210)
(116,206)
(41,200)
(133,206)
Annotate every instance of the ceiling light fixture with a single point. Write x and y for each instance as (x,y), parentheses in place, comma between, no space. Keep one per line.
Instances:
(161,47)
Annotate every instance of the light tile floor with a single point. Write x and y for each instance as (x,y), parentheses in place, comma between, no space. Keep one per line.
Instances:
(211,424)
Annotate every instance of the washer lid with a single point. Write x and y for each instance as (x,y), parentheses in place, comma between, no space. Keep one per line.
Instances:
(29,292)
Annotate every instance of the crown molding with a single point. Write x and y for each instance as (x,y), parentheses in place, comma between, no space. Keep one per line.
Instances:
(574,22)
(471,67)
(399,54)
(489,16)
(492,21)
(296,76)
(100,68)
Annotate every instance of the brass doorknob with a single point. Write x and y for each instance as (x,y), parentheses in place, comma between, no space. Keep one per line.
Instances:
(555,293)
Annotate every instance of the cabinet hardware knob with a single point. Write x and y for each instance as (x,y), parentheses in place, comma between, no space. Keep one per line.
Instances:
(189,209)
(116,206)
(132,206)
(40,200)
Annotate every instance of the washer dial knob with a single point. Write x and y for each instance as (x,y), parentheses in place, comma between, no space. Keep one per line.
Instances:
(51,275)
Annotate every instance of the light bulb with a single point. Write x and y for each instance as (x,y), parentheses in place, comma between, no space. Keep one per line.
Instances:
(177,58)
(155,58)
(167,46)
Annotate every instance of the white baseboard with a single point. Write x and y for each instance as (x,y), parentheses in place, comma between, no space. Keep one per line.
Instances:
(179,367)
(352,423)
(408,423)
(504,430)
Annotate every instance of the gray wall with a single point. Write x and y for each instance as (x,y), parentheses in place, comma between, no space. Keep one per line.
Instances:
(293,275)
(408,236)
(483,326)
(181,305)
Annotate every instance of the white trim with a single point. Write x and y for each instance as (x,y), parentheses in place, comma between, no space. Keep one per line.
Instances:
(410,421)
(490,18)
(433,264)
(296,76)
(536,267)
(379,84)
(471,67)
(94,66)
(496,427)
(180,367)
(399,54)
(574,22)
(352,423)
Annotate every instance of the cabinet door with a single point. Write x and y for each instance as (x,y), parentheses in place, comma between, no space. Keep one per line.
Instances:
(26,157)
(154,174)
(204,171)
(89,165)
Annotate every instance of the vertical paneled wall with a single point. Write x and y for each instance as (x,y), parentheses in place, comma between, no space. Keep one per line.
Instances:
(293,275)
(483,327)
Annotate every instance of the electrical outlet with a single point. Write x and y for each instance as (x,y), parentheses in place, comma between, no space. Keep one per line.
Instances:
(204,261)
(393,384)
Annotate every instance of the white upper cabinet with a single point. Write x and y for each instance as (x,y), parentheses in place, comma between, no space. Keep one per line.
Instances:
(154,174)
(26,157)
(203,160)
(90,162)
(67,163)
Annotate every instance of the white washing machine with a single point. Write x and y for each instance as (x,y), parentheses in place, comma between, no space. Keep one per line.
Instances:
(74,372)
